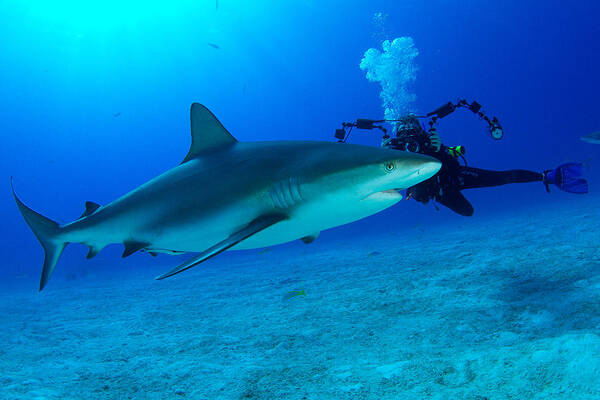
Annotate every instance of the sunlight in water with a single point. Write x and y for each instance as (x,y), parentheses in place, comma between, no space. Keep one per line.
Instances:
(109,15)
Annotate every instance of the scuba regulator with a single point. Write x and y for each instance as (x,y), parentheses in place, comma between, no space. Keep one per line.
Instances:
(411,135)
(457,151)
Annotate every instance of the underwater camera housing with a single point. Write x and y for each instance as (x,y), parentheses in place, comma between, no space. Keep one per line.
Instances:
(410,136)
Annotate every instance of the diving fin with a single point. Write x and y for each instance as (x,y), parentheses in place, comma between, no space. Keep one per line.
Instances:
(254,227)
(567,177)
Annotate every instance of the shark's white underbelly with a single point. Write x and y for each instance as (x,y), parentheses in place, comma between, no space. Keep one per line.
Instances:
(305,219)
(313,217)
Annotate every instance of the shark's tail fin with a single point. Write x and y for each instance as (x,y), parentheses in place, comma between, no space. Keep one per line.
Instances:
(47,232)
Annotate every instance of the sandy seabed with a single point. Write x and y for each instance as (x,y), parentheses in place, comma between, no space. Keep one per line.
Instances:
(501,308)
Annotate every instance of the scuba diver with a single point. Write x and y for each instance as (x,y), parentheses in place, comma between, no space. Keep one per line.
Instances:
(445,187)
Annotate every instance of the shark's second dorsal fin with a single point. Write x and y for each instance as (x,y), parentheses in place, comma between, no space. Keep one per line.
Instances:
(90,208)
(207,132)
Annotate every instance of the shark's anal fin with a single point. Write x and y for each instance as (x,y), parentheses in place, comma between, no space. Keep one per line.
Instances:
(90,208)
(310,238)
(131,246)
(207,132)
(93,252)
(254,227)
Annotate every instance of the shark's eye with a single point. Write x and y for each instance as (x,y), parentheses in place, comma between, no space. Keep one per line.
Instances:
(389,166)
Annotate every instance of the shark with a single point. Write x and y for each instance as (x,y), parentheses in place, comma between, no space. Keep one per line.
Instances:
(228,194)
(593,137)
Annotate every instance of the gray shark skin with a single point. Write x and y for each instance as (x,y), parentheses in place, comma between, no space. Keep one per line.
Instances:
(233,195)
(593,137)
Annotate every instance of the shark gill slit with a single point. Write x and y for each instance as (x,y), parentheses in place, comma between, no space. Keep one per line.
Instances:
(294,189)
(279,190)
(274,197)
(285,193)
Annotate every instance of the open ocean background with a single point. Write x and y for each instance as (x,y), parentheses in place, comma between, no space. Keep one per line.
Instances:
(411,303)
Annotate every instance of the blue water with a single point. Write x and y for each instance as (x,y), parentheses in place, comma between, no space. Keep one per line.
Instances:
(95,101)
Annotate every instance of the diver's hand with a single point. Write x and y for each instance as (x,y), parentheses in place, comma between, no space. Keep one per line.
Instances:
(435,141)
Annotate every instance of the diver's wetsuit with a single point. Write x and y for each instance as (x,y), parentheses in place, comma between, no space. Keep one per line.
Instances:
(446,185)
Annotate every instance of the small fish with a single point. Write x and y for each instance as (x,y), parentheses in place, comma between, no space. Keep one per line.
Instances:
(115,115)
(294,293)
(214,46)
(593,137)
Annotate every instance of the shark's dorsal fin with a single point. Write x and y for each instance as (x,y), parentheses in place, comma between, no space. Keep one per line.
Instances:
(207,132)
(90,207)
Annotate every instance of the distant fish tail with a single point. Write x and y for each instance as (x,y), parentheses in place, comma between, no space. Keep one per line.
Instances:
(47,232)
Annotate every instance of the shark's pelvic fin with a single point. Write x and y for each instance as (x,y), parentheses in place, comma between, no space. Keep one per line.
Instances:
(207,132)
(310,238)
(90,208)
(254,227)
(131,246)
(47,232)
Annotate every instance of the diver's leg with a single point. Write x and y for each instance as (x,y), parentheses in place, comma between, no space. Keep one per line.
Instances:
(470,177)
(455,201)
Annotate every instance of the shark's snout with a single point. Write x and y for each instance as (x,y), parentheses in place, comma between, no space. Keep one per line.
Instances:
(417,170)
(429,168)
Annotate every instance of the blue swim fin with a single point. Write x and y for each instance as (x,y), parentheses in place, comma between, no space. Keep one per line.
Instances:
(567,177)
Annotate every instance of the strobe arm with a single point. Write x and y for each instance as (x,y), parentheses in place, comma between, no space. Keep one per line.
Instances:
(495,129)
(361,123)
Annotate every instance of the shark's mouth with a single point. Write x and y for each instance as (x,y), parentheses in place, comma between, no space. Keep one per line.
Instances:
(385,195)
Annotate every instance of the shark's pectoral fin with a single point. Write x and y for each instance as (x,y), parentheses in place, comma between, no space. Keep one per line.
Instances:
(131,246)
(254,227)
(207,132)
(90,208)
(310,238)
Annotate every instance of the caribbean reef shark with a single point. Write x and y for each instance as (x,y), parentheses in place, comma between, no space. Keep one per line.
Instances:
(593,137)
(227,194)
